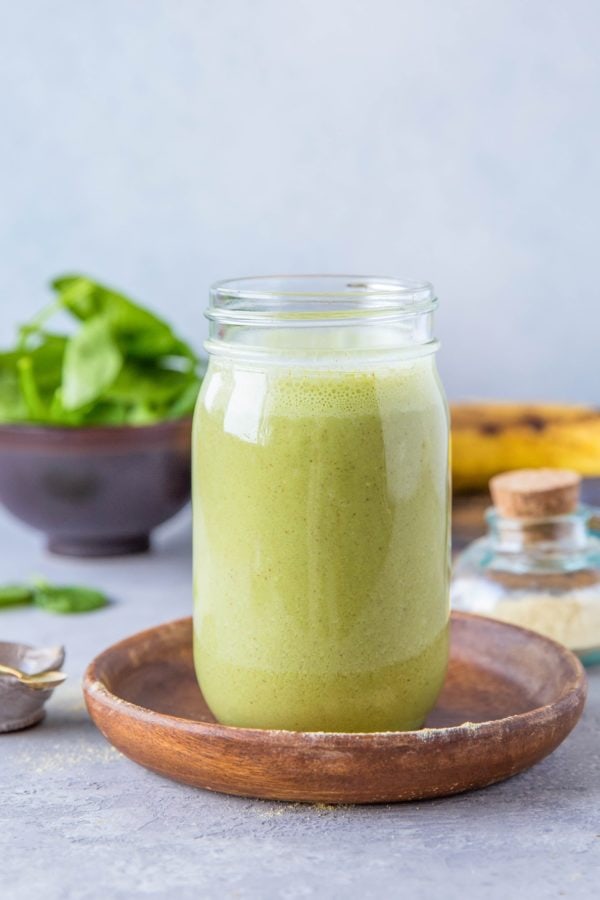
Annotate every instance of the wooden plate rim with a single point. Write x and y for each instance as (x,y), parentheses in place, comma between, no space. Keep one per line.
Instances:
(574,695)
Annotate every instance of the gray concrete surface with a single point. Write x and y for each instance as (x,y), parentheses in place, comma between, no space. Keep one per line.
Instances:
(80,822)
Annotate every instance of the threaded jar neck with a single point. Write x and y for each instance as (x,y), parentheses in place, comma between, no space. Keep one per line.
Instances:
(314,316)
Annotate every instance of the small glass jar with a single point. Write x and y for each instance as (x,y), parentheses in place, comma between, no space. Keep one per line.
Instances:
(321,530)
(540,572)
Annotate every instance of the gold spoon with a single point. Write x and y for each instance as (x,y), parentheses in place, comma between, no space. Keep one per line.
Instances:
(40,682)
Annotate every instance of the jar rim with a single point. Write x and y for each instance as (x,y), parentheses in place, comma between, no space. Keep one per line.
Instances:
(258,297)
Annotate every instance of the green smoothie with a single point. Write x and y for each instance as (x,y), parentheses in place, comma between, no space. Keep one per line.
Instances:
(321,545)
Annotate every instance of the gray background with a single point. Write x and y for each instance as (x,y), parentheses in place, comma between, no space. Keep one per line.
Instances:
(160,144)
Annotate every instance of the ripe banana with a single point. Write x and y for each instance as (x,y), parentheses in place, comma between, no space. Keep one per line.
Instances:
(488,438)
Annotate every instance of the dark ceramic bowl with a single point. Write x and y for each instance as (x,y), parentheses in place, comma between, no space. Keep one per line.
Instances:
(95,491)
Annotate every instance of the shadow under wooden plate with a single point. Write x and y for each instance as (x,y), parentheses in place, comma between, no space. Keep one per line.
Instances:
(509,700)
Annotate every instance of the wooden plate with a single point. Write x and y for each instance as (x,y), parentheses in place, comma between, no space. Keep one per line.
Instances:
(510,698)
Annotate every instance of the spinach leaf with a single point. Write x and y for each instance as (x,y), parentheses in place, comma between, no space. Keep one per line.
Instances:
(14,594)
(36,409)
(54,598)
(153,384)
(91,363)
(66,599)
(29,378)
(183,405)
(39,375)
(12,404)
(35,328)
(123,364)
(104,412)
(138,332)
(60,415)
(47,357)
(150,392)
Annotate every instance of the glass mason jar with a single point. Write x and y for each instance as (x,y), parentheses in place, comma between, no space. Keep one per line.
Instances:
(542,574)
(321,505)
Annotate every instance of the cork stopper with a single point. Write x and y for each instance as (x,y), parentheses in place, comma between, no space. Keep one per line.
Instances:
(535,493)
